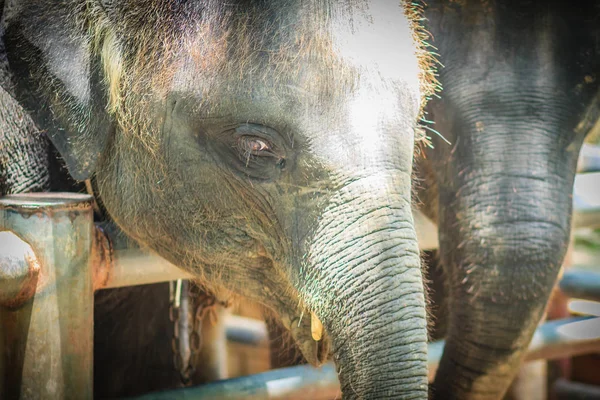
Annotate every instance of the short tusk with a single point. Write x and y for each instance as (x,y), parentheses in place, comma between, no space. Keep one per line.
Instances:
(316,327)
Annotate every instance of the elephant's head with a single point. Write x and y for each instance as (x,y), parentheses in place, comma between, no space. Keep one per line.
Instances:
(264,146)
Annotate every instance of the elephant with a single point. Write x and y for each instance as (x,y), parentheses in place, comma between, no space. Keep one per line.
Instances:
(520,93)
(265,147)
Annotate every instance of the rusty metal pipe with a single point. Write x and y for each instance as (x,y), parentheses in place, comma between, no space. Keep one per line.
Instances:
(46,343)
(292,383)
(130,267)
(118,261)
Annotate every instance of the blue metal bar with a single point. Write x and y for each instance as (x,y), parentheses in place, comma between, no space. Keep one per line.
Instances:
(581,285)
(248,331)
(567,390)
(586,200)
(565,338)
(589,159)
(554,339)
(293,383)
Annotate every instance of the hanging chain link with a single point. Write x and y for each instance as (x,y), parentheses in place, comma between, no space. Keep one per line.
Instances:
(188,307)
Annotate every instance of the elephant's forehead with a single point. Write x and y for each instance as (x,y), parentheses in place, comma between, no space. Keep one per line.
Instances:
(381,44)
(303,56)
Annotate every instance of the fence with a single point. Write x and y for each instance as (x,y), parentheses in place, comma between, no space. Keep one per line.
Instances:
(53,258)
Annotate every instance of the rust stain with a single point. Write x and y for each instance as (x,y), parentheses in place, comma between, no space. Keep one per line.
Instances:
(46,203)
(101,259)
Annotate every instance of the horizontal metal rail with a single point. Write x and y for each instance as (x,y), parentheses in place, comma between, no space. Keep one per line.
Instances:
(586,201)
(130,267)
(555,339)
(581,284)
(568,390)
(248,331)
(589,159)
(135,267)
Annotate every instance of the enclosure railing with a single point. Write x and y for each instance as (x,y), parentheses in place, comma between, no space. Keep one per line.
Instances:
(53,257)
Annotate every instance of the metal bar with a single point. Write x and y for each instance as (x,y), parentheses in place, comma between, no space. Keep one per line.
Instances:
(568,390)
(589,158)
(554,339)
(427,231)
(130,267)
(583,307)
(293,383)
(247,331)
(586,201)
(581,284)
(46,343)
(565,338)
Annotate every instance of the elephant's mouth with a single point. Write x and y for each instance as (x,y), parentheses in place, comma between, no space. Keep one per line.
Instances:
(304,332)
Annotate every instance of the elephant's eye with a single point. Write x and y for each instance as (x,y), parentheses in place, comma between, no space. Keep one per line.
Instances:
(260,150)
(252,149)
(255,146)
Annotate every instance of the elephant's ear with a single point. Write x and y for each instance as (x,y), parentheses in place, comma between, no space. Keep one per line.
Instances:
(54,77)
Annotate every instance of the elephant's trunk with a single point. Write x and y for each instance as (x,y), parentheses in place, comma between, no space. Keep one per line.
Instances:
(504,230)
(511,108)
(364,282)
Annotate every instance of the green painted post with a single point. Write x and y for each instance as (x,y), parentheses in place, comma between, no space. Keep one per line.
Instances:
(46,341)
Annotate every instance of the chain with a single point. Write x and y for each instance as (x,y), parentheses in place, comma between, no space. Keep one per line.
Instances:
(188,307)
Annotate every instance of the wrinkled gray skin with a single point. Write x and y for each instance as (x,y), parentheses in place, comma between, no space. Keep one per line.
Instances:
(520,81)
(23,156)
(266,147)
